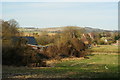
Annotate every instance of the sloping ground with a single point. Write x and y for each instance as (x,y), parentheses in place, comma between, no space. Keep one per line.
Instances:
(98,66)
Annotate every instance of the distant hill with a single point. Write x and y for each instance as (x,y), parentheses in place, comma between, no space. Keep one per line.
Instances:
(88,29)
(60,29)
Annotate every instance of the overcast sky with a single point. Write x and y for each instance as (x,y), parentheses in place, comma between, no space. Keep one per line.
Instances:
(103,15)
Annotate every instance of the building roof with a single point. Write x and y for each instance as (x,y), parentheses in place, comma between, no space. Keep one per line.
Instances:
(29,40)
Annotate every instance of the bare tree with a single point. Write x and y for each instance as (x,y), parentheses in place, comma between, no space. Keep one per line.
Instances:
(9,29)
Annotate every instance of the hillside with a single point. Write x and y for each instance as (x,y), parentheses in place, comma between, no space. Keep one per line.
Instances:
(60,29)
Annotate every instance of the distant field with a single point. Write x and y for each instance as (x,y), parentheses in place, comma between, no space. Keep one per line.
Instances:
(98,66)
(106,48)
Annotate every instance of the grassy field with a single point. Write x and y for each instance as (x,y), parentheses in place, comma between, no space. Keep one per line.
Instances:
(106,48)
(98,66)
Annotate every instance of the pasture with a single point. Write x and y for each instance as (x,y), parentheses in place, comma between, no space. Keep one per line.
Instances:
(106,48)
(97,66)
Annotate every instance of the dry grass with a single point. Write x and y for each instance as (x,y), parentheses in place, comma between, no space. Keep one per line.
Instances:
(54,61)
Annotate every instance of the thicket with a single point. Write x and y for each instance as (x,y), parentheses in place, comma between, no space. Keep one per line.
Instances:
(17,53)
(65,44)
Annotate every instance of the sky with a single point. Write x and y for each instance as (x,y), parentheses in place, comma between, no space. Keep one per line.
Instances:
(59,0)
(103,15)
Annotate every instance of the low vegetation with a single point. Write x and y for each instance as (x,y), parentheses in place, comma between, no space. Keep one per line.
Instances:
(106,48)
(69,53)
(65,44)
(98,66)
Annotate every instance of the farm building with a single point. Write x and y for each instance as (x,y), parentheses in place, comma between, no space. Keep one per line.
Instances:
(29,40)
(117,42)
(107,39)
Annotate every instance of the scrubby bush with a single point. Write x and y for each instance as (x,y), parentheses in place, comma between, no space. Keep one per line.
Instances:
(21,55)
(73,47)
(45,39)
(15,55)
(67,45)
(17,52)
(101,42)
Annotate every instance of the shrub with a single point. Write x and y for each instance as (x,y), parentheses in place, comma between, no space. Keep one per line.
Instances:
(21,55)
(73,47)
(45,39)
(52,51)
(101,42)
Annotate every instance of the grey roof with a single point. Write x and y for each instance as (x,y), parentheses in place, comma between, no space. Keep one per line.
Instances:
(30,40)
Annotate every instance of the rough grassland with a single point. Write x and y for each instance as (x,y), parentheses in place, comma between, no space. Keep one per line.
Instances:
(106,48)
(98,66)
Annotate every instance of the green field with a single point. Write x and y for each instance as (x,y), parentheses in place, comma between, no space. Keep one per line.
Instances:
(98,66)
(106,48)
